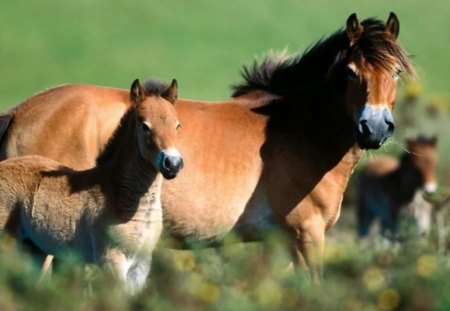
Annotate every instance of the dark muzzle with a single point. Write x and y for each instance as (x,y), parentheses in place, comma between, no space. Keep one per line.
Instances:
(374,127)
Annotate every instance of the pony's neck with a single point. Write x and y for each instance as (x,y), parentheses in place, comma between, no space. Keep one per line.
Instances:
(312,104)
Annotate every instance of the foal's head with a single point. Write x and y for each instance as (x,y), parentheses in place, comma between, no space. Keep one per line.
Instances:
(371,67)
(157,126)
(424,157)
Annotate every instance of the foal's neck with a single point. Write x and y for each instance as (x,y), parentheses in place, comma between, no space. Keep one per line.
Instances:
(135,178)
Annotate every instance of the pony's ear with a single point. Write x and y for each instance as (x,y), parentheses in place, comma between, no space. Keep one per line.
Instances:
(137,92)
(393,25)
(171,94)
(354,29)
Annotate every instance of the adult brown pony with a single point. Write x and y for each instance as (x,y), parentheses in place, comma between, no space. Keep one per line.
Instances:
(111,214)
(279,153)
(386,186)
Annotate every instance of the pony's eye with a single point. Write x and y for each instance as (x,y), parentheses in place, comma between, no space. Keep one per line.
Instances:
(146,128)
(351,74)
(396,73)
(178,126)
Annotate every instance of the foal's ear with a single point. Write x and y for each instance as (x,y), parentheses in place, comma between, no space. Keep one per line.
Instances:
(354,29)
(171,94)
(137,92)
(393,25)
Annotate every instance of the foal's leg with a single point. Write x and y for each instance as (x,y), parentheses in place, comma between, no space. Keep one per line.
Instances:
(115,261)
(131,271)
(137,275)
(45,270)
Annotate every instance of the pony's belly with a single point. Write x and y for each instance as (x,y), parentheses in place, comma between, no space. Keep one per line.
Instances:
(210,218)
(207,222)
(256,221)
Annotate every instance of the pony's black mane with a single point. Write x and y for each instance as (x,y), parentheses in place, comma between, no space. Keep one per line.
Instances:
(278,75)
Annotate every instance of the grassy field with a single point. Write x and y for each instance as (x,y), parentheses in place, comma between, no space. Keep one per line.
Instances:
(204,44)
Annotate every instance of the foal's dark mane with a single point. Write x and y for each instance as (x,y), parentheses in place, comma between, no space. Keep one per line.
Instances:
(153,88)
(284,76)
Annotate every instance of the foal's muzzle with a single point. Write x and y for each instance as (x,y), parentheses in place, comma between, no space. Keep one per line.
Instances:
(374,127)
(170,164)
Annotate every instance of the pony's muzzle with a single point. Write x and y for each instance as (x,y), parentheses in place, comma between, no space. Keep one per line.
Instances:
(170,164)
(374,127)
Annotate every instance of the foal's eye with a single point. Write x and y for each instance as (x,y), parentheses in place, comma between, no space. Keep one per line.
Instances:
(351,74)
(145,128)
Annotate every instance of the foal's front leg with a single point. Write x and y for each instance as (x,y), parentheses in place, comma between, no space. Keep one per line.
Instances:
(137,275)
(131,270)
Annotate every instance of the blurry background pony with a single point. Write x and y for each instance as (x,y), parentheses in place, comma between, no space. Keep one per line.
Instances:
(388,188)
(111,214)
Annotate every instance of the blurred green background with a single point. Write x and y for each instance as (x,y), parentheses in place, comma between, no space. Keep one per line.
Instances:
(201,43)
(204,45)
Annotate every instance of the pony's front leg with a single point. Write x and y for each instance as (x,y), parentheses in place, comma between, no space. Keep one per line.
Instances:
(309,245)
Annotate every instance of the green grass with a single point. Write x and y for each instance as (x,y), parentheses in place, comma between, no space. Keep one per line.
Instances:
(357,276)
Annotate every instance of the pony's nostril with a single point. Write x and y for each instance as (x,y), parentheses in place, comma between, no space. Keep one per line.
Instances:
(391,127)
(364,127)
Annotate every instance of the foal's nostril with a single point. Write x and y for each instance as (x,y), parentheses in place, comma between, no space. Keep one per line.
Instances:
(172,163)
(168,164)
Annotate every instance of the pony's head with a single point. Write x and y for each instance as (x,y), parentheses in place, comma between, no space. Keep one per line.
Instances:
(423,155)
(371,66)
(157,126)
